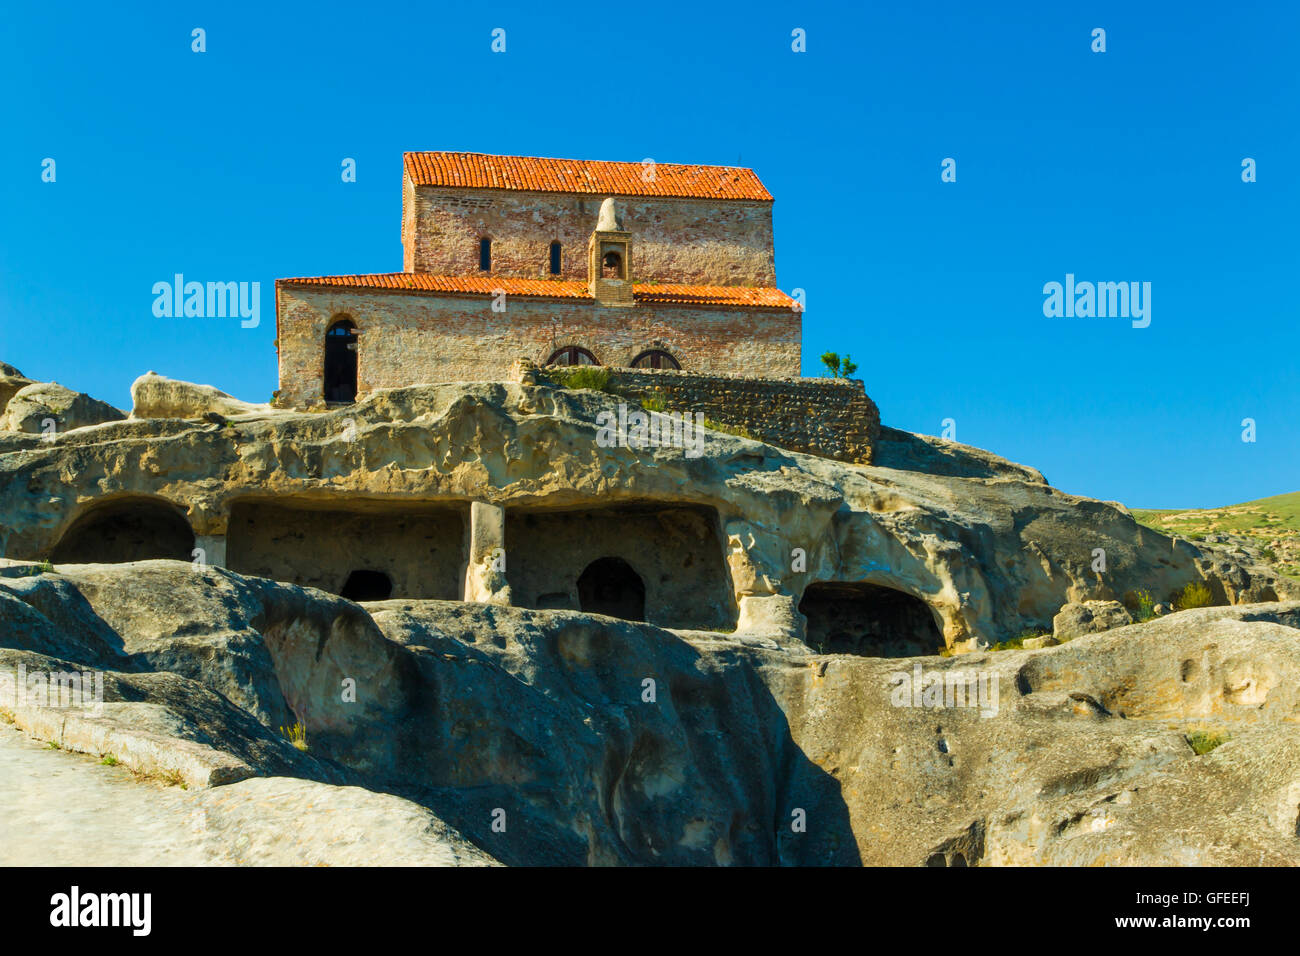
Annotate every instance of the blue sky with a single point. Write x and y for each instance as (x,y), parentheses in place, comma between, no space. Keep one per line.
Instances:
(1115,166)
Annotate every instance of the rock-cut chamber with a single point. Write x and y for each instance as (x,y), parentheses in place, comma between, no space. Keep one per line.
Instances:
(869,620)
(365,551)
(128,529)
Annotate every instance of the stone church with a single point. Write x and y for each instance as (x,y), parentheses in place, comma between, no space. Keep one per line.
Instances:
(563,262)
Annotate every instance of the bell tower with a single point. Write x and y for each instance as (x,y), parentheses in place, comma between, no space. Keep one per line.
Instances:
(609,259)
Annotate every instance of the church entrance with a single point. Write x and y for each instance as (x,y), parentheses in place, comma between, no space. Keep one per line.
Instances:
(341,362)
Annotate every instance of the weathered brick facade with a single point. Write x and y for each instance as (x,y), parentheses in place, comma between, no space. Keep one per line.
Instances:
(411,338)
(695,241)
(695,279)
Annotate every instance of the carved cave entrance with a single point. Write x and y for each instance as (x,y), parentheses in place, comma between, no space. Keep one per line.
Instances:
(366,585)
(610,586)
(126,530)
(869,620)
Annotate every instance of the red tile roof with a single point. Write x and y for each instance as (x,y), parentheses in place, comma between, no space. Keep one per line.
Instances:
(728,296)
(590,176)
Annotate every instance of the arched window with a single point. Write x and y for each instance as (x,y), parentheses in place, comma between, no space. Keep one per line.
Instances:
(655,358)
(485,254)
(611,266)
(555,258)
(341,362)
(572,355)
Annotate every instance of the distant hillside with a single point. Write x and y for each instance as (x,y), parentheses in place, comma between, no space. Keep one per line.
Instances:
(1272,525)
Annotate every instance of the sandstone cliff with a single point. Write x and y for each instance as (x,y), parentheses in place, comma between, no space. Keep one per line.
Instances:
(481,700)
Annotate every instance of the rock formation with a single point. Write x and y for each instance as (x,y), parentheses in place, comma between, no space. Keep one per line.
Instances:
(545,721)
(771,698)
(985,546)
(44,407)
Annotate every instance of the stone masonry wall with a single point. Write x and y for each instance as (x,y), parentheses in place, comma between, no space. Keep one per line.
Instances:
(832,418)
(412,339)
(691,241)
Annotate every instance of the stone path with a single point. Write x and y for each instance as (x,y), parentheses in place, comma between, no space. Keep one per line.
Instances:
(67,809)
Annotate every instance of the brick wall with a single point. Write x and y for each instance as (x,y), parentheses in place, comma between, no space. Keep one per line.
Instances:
(407,338)
(693,241)
(832,418)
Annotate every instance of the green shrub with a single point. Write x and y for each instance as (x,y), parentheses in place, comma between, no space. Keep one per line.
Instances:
(1194,595)
(595,377)
(1203,741)
(839,367)
(109,760)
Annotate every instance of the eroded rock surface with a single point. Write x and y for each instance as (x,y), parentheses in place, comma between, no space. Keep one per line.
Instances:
(546,721)
(155,396)
(11,381)
(35,407)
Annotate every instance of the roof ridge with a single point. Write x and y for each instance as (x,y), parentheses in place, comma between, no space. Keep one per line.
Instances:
(567,159)
(459,169)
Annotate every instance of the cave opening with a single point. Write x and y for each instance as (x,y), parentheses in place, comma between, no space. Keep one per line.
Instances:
(365,585)
(610,586)
(869,620)
(135,529)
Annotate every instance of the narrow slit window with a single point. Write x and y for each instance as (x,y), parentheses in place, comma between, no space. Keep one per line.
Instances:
(555,258)
(485,254)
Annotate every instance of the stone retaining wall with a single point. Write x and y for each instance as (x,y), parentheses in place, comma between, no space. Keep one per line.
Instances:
(832,418)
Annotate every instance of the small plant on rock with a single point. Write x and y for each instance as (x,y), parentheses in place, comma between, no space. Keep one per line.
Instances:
(1146,606)
(1194,595)
(1018,642)
(296,735)
(739,431)
(1203,741)
(173,778)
